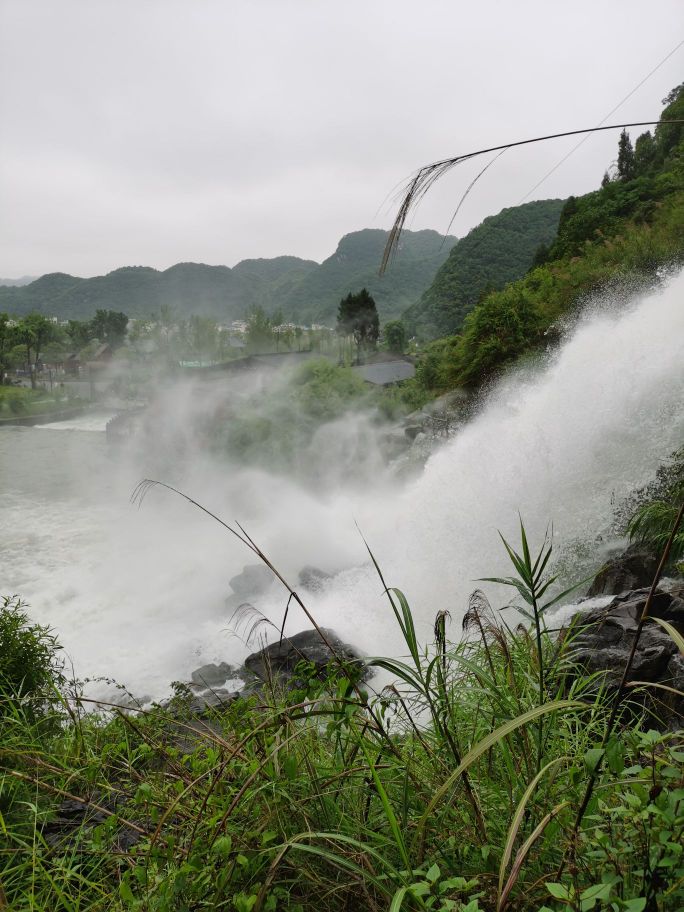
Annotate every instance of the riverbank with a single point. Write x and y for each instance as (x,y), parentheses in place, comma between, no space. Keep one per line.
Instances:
(454,791)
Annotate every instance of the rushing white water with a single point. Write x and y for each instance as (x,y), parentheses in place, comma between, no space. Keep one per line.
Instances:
(139,594)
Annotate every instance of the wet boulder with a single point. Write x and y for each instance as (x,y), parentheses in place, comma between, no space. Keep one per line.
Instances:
(280,660)
(253,581)
(212,675)
(631,569)
(606,636)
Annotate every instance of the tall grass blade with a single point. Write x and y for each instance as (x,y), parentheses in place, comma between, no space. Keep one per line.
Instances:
(484,745)
(514,828)
(676,636)
(524,851)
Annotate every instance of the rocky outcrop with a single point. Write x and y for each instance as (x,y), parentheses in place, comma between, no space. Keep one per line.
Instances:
(632,569)
(214,675)
(606,636)
(279,660)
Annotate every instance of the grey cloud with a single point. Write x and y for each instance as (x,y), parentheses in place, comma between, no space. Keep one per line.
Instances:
(166,131)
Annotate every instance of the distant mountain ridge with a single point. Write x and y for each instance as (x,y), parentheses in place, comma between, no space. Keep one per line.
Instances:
(305,291)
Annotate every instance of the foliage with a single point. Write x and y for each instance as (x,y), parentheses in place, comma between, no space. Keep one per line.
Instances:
(654,517)
(357,316)
(303,290)
(426,796)
(626,160)
(110,327)
(259,331)
(29,664)
(6,343)
(289,428)
(354,264)
(624,232)
(394,332)
(33,332)
(498,251)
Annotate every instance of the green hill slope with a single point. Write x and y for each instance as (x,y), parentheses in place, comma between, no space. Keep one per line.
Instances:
(626,231)
(496,252)
(355,264)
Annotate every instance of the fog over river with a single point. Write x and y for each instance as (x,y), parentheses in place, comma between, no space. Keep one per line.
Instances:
(139,594)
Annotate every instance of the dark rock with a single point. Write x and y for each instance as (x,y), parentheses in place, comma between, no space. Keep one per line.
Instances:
(255,579)
(413,430)
(313,579)
(212,675)
(633,568)
(279,660)
(73,818)
(606,636)
(201,704)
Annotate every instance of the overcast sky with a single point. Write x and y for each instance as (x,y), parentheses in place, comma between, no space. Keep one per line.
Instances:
(148,132)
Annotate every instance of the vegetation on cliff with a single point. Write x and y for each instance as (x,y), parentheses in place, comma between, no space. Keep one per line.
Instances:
(622,233)
(494,253)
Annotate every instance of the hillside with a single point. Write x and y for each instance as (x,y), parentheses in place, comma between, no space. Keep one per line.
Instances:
(355,264)
(625,232)
(498,251)
(139,291)
(303,290)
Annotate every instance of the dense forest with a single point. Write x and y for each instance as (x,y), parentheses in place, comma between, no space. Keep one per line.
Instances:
(301,289)
(498,251)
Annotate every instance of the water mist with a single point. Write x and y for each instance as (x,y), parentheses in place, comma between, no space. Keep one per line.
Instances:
(140,594)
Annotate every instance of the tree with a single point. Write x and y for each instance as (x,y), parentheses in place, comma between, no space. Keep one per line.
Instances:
(110,327)
(357,316)
(203,337)
(626,161)
(395,336)
(33,332)
(644,152)
(259,331)
(80,333)
(6,342)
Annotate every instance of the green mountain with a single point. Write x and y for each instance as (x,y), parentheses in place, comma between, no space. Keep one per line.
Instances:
(355,264)
(498,251)
(303,290)
(625,232)
(139,291)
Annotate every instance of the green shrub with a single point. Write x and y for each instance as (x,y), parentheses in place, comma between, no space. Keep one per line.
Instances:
(29,663)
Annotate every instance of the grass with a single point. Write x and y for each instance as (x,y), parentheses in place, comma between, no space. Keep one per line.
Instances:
(21,402)
(454,788)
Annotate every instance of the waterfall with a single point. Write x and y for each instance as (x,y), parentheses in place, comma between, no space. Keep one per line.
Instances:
(139,594)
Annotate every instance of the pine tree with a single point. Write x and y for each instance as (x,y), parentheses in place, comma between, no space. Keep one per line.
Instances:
(357,316)
(626,162)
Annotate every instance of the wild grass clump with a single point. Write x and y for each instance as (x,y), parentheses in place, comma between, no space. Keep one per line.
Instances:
(457,787)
